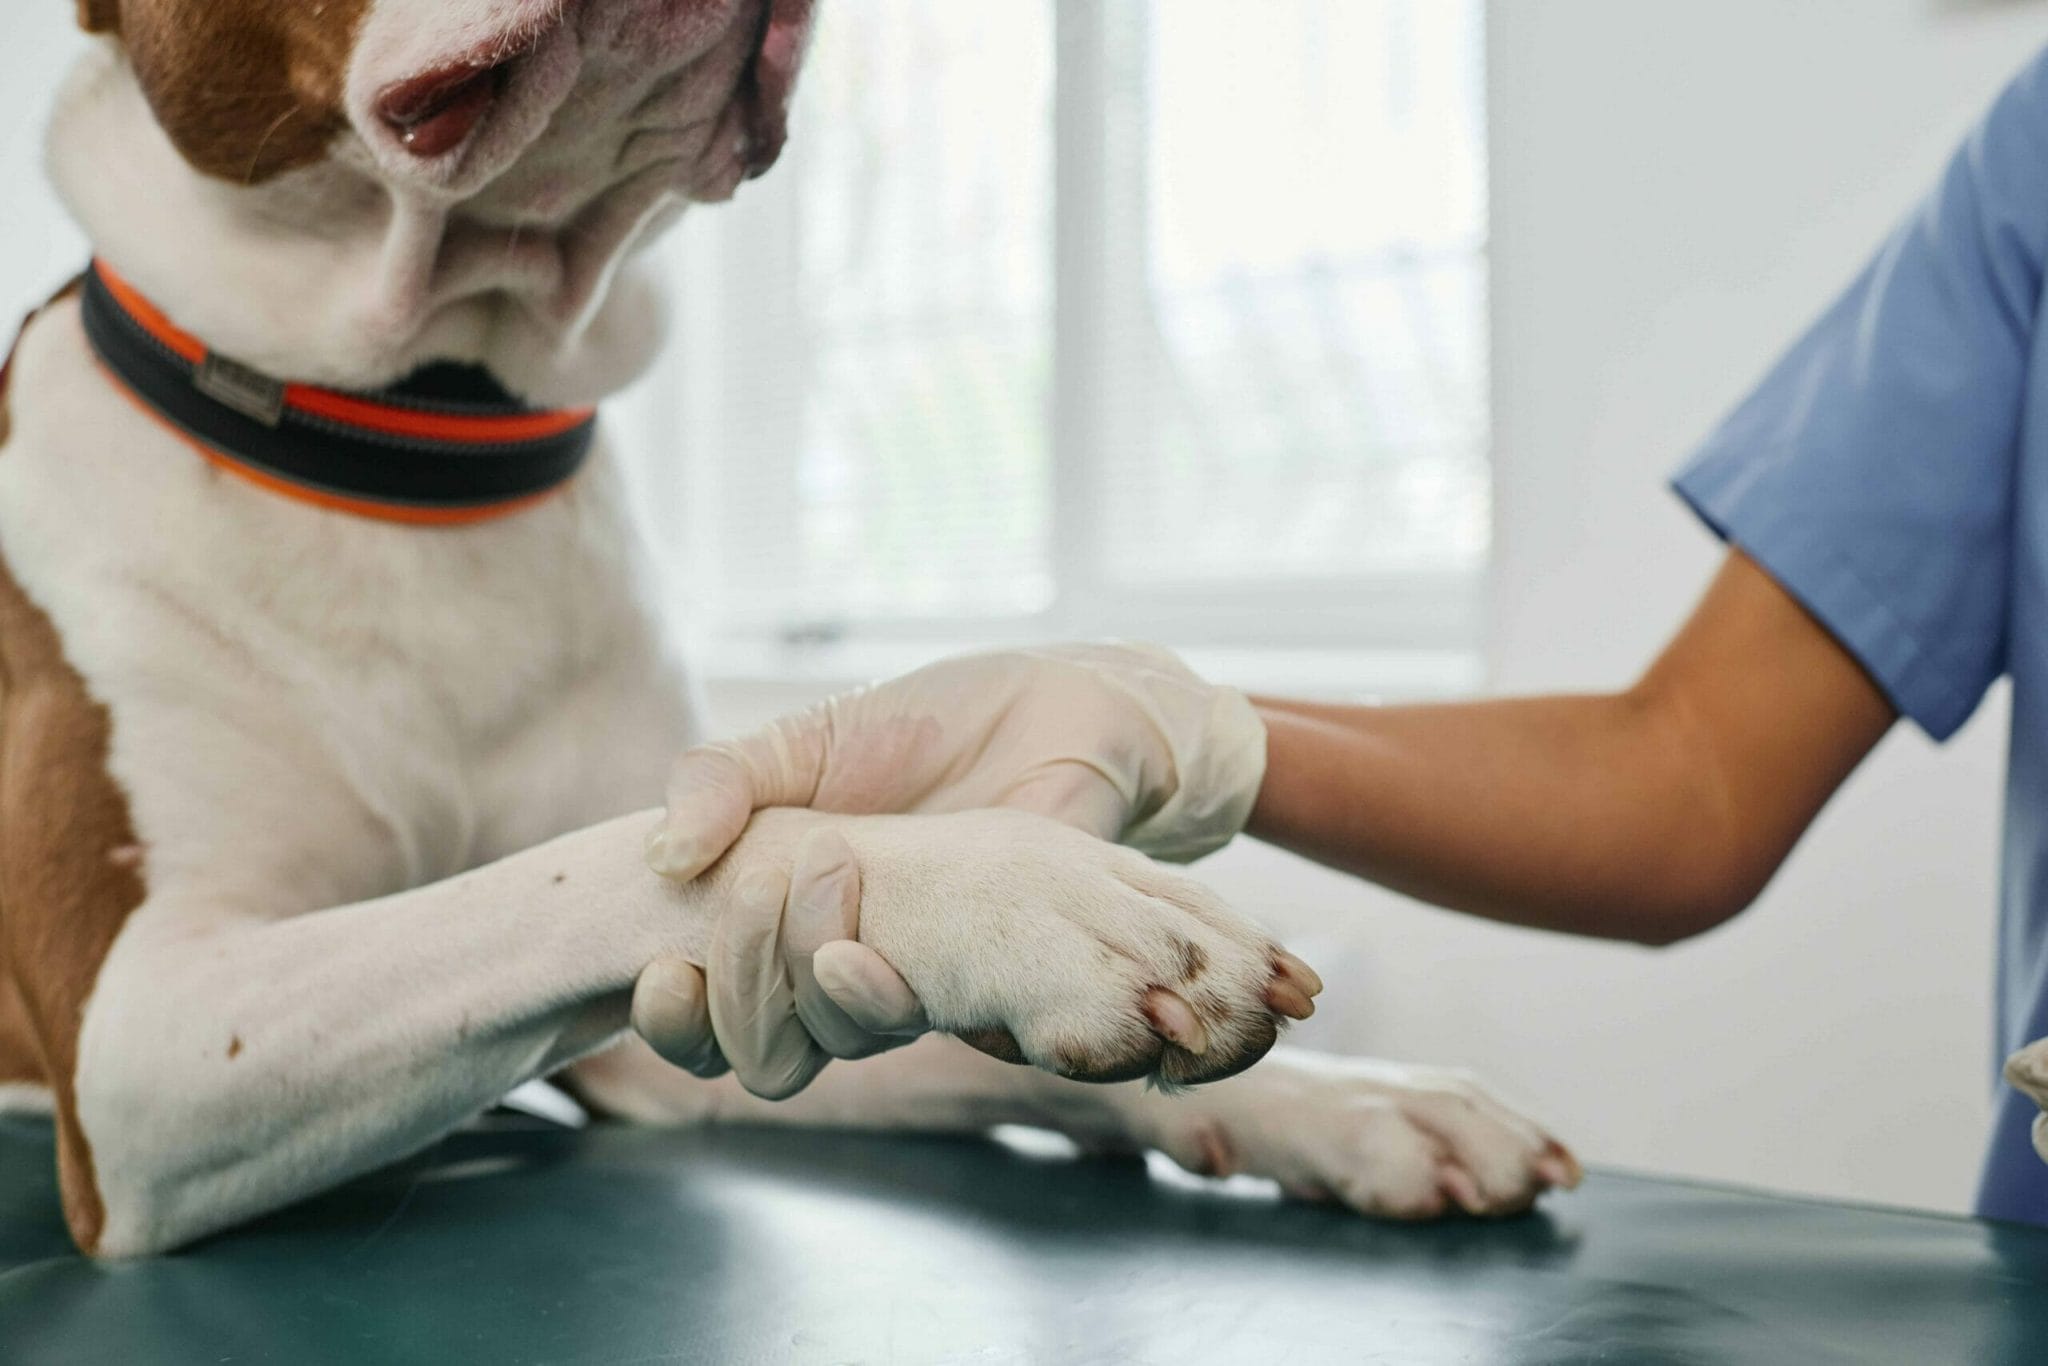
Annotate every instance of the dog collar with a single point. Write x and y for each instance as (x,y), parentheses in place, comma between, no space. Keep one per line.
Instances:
(445,446)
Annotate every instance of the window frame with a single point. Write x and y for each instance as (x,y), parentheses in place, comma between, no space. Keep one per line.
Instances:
(1413,633)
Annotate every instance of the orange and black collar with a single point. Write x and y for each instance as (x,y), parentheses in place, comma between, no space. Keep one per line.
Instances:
(446,446)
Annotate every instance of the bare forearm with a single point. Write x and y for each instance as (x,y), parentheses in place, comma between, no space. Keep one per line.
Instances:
(1651,814)
(1571,813)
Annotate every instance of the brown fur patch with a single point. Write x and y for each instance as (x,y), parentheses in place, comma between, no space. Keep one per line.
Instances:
(246,89)
(62,897)
(99,16)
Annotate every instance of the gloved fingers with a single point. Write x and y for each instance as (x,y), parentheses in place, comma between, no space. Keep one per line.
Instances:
(672,1012)
(753,1005)
(873,995)
(824,908)
(2028,1071)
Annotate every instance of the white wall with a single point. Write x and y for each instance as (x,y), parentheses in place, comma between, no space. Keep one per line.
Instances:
(39,249)
(1678,186)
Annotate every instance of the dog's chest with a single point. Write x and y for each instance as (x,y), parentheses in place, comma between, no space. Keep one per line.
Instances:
(308,708)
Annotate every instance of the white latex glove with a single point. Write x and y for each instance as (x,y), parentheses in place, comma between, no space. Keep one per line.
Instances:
(781,962)
(1123,741)
(2028,1070)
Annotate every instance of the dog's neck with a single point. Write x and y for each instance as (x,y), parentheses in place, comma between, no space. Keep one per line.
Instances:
(324,276)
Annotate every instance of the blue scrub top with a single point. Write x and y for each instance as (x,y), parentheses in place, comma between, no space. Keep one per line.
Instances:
(1892,474)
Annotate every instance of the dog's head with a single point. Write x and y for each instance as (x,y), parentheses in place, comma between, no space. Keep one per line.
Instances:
(384,182)
(449,94)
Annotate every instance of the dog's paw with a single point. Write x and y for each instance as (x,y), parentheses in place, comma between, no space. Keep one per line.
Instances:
(1388,1140)
(1043,945)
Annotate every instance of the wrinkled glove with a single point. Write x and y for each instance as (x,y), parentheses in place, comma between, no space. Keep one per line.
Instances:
(1123,741)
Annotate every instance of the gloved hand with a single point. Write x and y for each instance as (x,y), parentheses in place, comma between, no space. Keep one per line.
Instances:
(771,1010)
(2028,1071)
(1123,741)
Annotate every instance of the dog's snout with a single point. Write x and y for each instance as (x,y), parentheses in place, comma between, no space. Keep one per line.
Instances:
(440,109)
(433,114)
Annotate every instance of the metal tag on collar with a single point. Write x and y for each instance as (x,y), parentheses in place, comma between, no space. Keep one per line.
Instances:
(249,392)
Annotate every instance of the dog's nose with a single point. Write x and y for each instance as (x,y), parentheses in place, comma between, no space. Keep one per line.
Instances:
(433,114)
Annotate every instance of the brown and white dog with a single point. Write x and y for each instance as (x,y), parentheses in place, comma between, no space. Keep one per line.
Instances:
(316,827)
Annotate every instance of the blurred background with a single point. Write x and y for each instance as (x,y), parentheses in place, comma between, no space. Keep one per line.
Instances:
(1347,348)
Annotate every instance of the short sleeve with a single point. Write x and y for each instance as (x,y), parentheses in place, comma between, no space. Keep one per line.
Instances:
(1872,472)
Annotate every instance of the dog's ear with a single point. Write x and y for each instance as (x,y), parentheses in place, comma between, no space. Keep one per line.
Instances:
(99,16)
(245,89)
(785,33)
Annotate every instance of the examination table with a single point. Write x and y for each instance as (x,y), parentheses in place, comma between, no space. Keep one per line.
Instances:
(516,1242)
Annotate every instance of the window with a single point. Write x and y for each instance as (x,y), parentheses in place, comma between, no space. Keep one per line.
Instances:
(1082,318)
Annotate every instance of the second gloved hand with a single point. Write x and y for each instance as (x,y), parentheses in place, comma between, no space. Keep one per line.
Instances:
(1123,741)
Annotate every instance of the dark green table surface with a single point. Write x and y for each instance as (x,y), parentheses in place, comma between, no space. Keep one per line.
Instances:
(521,1244)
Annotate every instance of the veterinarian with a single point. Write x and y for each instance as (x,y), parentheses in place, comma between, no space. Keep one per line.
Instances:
(1884,494)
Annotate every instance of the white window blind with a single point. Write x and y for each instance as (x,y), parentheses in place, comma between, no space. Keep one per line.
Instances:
(1161,318)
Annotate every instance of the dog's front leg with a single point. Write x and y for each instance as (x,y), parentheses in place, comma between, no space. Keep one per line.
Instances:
(1384,1139)
(228,1064)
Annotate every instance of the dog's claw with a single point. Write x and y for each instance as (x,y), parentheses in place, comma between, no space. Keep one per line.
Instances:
(1457,1183)
(1175,1020)
(1560,1168)
(1299,973)
(1289,1000)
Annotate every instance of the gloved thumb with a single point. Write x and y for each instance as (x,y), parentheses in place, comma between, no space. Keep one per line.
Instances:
(710,799)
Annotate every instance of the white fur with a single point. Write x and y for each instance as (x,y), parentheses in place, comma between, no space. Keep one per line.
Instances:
(379,771)
(1374,1136)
